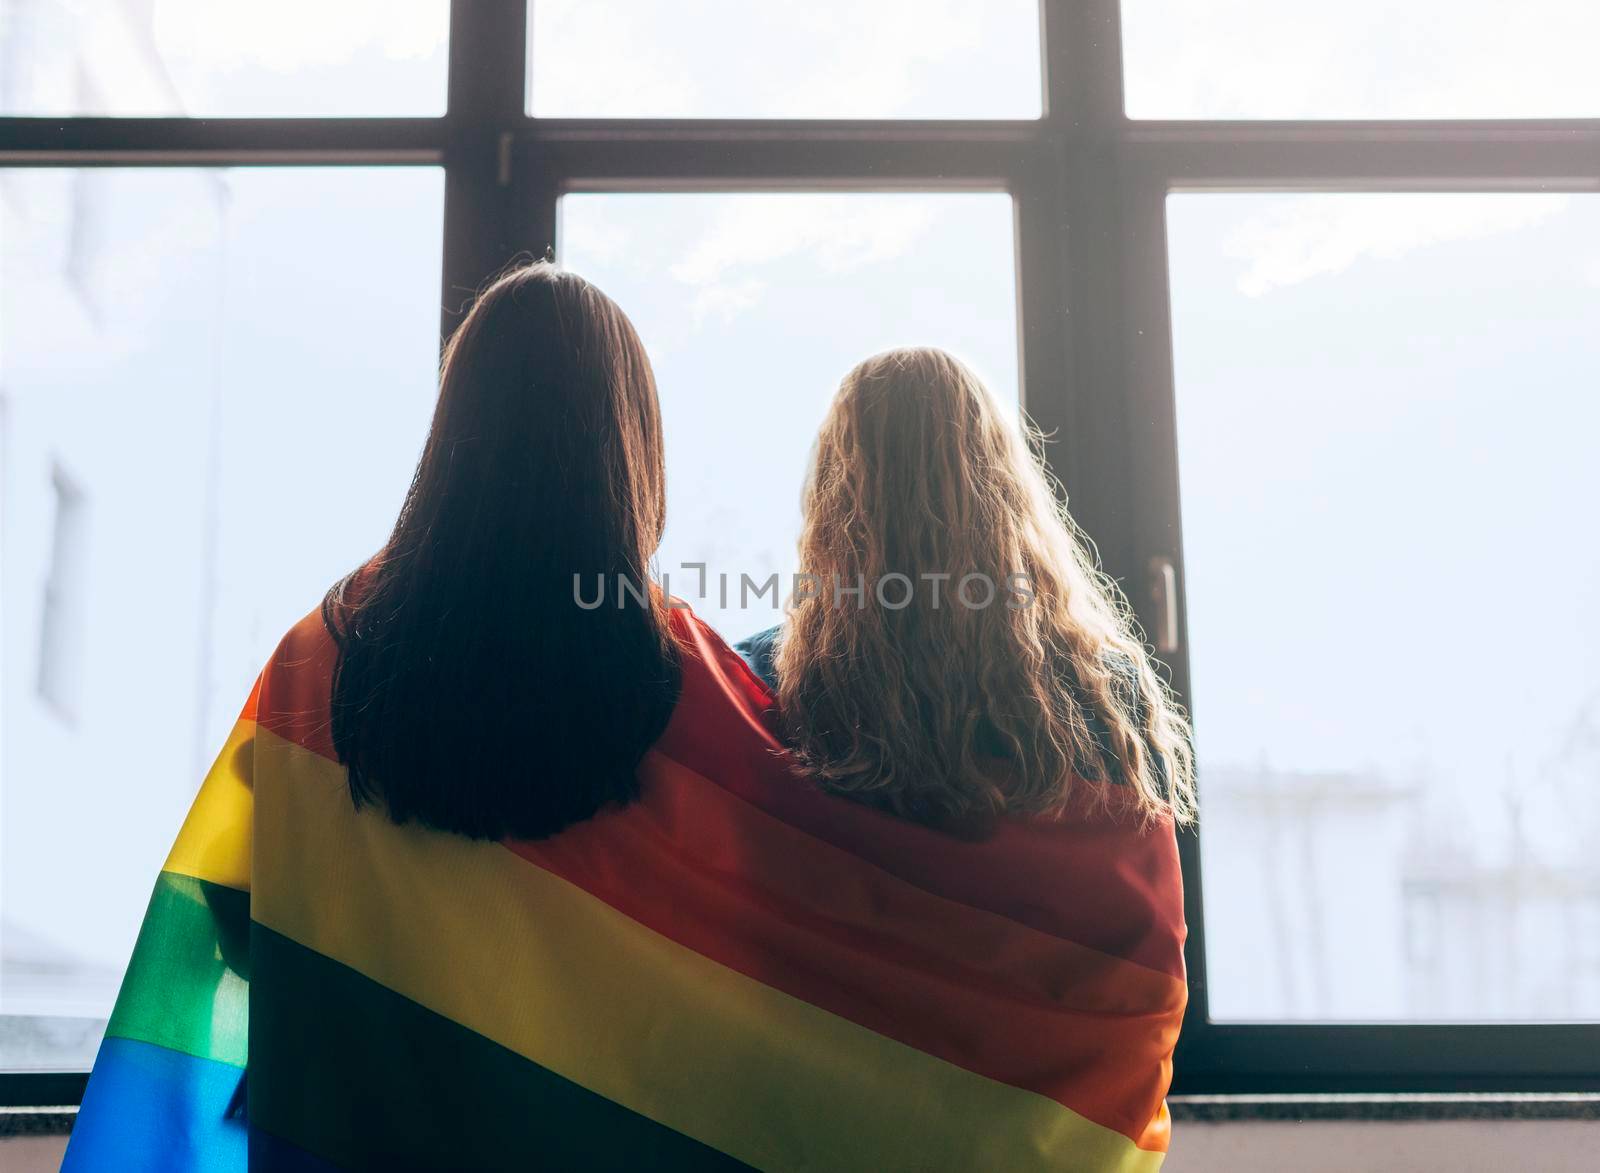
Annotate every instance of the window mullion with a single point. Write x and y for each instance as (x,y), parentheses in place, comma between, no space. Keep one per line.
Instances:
(487,84)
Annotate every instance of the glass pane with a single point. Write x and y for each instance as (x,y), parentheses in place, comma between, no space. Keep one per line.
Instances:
(1386,420)
(173,341)
(780,59)
(1361,59)
(223,58)
(753,306)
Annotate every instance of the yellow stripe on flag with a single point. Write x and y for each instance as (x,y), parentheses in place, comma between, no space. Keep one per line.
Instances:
(517,954)
(214,843)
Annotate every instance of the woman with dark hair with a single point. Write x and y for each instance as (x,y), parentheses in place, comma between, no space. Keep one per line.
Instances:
(447,694)
(459,646)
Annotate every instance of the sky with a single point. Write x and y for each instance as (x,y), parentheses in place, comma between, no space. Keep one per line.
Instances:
(237,370)
(1361,59)
(833,58)
(753,306)
(785,59)
(1414,374)
(1385,417)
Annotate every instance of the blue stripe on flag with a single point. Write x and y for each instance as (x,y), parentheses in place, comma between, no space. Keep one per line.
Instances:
(151,1108)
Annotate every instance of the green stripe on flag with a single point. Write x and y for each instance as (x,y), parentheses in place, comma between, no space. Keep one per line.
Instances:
(188,985)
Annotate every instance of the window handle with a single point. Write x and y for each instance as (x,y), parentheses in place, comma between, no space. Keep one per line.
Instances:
(1164,604)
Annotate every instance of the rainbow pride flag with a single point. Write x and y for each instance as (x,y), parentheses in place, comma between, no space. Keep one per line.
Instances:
(737,971)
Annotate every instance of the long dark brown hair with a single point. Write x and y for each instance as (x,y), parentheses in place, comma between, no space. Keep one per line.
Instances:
(472,693)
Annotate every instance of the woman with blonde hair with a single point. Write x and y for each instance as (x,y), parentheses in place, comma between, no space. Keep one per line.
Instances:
(959,655)
(953,658)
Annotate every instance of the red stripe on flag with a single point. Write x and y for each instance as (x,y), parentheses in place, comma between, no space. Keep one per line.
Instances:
(1097,877)
(707,870)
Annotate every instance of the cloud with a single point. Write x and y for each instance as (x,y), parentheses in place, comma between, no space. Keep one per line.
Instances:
(605,63)
(286,35)
(1304,237)
(605,240)
(750,233)
(786,58)
(1361,59)
(843,232)
(726,301)
(882,55)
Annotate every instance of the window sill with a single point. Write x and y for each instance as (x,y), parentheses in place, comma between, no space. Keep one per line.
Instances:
(1192,1109)
(1215,1109)
(37,1121)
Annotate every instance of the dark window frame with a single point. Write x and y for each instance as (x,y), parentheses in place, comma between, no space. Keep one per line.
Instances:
(1090,188)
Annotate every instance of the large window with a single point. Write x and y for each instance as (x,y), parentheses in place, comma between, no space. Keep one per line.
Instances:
(172,341)
(1384,419)
(223,58)
(819,59)
(1304,301)
(1367,59)
(753,306)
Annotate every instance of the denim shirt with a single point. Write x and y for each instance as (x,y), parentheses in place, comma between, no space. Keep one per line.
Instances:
(760,651)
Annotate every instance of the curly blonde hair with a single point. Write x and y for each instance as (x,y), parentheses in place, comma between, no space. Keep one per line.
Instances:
(939,710)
